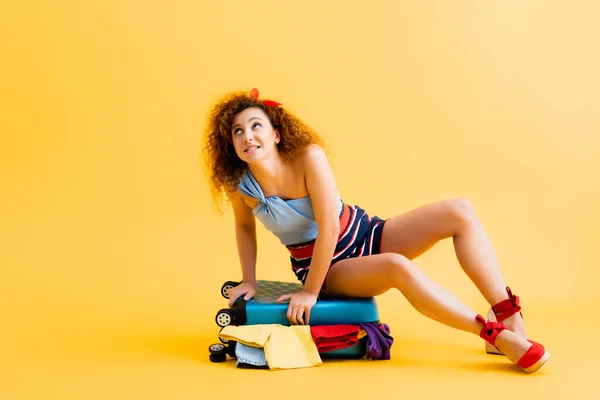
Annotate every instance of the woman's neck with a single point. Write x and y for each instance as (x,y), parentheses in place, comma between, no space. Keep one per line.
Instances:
(271,170)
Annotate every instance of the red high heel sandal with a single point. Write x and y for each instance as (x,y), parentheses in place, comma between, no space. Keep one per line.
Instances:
(499,313)
(531,361)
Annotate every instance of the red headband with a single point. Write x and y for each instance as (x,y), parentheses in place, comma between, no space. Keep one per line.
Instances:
(268,103)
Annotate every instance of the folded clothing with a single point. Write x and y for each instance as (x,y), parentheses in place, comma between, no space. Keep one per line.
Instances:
(334,337)
(250,357)
(284,346)
(250,335)
(379,340)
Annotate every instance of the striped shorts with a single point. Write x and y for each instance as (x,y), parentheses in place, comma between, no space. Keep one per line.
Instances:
(360,235)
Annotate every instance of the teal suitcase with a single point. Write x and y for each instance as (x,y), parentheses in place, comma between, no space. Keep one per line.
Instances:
(262,309)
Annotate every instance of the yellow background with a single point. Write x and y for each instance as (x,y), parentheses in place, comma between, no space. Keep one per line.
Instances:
(112,260)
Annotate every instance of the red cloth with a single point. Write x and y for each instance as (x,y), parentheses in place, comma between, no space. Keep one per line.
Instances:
(334,337)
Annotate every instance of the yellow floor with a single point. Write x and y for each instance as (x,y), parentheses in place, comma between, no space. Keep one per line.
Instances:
(428,361)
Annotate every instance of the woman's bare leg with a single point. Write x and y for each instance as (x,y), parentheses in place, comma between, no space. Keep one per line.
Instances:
(373,275)
(416,231)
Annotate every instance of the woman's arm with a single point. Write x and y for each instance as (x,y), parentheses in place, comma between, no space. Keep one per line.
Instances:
(322,190)
(321,187)
(245,234)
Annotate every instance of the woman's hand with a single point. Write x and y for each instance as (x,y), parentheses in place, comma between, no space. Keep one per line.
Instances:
(299,308)
(248,290)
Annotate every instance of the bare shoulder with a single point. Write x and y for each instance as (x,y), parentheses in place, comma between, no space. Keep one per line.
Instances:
(313,156)
(312,150)
(236,199)
(242,210)
(310,166)
(318,173)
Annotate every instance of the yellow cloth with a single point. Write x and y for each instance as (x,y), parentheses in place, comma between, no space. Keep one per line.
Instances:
(362,333)
(285,347)
(250,335)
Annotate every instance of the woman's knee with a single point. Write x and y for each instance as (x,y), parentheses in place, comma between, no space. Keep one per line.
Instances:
(461,210)
(398,267)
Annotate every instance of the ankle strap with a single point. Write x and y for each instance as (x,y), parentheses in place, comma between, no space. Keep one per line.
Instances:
(507,307)
(490,330)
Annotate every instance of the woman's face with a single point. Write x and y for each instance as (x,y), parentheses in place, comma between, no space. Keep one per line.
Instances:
(253,135)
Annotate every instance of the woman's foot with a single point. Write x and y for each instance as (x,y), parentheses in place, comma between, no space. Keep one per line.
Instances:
(513,346)
(528,355)
(515,324)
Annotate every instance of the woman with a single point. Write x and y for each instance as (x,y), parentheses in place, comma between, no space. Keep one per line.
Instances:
(271,166)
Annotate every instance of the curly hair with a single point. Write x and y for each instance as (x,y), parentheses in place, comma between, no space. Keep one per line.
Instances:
(223,167)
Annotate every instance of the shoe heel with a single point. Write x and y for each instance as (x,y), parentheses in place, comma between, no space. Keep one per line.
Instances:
(492,349)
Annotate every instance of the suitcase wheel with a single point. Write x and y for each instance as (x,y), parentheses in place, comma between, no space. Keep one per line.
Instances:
(217,348)
(218,352)
(227,286)
(224,318)
(217,357)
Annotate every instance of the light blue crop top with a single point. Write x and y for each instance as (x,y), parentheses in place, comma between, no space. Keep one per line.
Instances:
(292,221)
